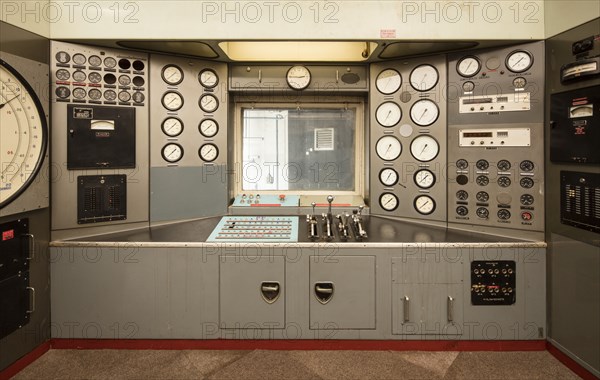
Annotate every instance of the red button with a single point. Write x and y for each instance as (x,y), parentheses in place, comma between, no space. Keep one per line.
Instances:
(526,216)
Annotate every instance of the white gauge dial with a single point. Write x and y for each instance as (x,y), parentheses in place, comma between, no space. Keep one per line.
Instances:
(424,112)
(23,134)
(172,74)
(388,148)
(388,201)
(424,78)
(208,103)
(424,179)
(424,204)
(172,126)
(208,78)
(519,61)
(172,100)
(208,152)
(468,66)
(388,114)
(298,77)
(388,176)
(388,81)
(172,152)
(208,127)
(424,148)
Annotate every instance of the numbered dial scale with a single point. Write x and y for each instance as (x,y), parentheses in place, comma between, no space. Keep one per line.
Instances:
(23,136)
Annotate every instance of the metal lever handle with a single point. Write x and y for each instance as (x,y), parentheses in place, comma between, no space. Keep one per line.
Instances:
(324,290)
(270,288)
(32,300)
(406,305)
(31,239)
(450,309)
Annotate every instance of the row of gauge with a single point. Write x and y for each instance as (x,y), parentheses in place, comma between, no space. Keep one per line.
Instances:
(173,126)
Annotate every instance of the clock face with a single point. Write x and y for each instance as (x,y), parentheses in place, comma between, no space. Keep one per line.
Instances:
(298,77)
(23,136)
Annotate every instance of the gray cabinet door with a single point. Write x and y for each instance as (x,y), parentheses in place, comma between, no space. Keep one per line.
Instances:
(248,288)
(350,282)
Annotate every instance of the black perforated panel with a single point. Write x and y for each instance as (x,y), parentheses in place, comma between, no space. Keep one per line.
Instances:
(101,198)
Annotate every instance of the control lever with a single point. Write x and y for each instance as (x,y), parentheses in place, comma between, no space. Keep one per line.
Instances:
(329,219)
(358,223)
(313,233)
(327,227)
(343,227)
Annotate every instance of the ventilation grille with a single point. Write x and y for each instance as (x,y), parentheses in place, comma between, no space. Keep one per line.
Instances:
(580,200)
(324,139)
(101,198)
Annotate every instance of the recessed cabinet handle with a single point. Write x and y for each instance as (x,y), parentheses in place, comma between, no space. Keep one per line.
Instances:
(267,288)
(450,309)
(31,300)
(270,291)
(324,292)
(406,305)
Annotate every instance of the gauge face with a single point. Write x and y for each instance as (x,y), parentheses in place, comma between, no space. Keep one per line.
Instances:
(124,80)
(79,76)
(462,195)
(208,127)
(519,61)
(504,181)
(503,214)
(63,57)
(503,165)
(23,135)
(526,166)
(424,112)
(94,60)
(526,199)
(79,93)
(172,74)
(482,164)
(95,77)
(519,82)
(388,148)
(110,78)
(388,177)
(208,78)
(110,62)
(172,100)
(172,126)
(388,201)
(95,94)
(208,152)
(138,97)
(62,92)
(468,66)
(424,78)
(298,77)
(424,179)
(468,86)
(482,212)
(424,204)
(482,180)
(124,96)
(388,81)
(526,183)
(63,74)
(208,103)
(138,81)
(482,196)
(79,59)
(388,114)
(110,95)
(424,148)
(462,164)
(462,211)
(172,152)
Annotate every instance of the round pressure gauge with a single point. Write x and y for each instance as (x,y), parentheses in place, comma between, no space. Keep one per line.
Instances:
(124,80)
(138,97)
(424,148)
(172,152)
(63,57)
(208,103)
(95,94)
(79,76)
(298,77)
(79,59)
(110,62)
(388,114)
(519,61)
(388,201)
(424,112)
(424,204)
(79,93)
(208,152)
(388,176)
(424,179)
(62,92)
(95,77)
(424,78)
(388,81)
(23,136)
(208,78)
(110,95)
(388,148)
(172,100)
(468,66)
(172,126)
(94,60)
(172,74)
(208,127)
(63,74)
(124,96)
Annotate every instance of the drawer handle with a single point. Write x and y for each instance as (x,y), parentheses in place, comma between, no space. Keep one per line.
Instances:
(450,309)
(31,300)
(324,291)
(31,246)
(270,291)
(406,308)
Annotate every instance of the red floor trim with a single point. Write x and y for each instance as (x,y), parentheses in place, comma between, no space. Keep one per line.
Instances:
(570,363)
(23,362)
(367,345)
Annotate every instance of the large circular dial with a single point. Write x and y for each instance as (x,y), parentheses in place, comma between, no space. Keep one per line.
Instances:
(424,78)
(424,112)
(388,81)
(208,103)
(172,100)
(388,114)
(172,126)
(172,74)
(424,179)
(208,127)
(208,152)
(519,61)
(298,77)
(208,78)
(388,201)
(424,148)
(424,204)
(388,148)
(468,66)
(388,176)
(172,152)
(23,134)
